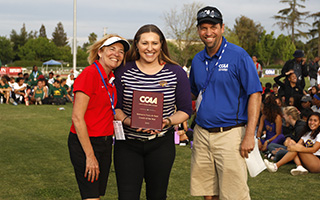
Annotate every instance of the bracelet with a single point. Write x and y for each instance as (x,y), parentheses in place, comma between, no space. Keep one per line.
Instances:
(125,119)
(268,141)
(258,138)
(169,120)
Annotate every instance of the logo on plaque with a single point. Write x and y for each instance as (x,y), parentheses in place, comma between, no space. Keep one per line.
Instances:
(147,110)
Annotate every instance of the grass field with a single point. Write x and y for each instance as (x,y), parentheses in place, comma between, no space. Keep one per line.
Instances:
(35,164)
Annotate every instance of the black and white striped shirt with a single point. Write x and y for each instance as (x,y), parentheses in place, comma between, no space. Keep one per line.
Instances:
(171,80)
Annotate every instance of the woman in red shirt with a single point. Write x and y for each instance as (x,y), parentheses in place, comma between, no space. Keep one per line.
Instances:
(90,138)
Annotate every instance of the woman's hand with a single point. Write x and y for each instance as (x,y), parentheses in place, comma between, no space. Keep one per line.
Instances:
(148,131)
(92,169)
(295,147)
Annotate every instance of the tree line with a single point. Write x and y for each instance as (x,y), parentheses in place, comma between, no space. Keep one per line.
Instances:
(180,23)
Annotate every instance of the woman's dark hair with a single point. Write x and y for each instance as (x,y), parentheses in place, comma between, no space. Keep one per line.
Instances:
(307,128)
(317,90)
(133,54)
(271,109)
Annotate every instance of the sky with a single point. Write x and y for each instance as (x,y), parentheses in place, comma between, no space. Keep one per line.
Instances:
(125,17)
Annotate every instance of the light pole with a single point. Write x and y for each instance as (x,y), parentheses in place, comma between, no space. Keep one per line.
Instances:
(74,35)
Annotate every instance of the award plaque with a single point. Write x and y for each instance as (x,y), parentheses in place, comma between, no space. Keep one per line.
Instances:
(147,108)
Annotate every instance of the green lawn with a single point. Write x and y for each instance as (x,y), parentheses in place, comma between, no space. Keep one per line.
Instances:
(35,164)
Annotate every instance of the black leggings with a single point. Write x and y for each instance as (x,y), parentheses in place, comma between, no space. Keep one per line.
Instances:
(136,160)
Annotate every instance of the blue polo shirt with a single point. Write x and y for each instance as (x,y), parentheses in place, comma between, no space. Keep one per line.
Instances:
(225,100)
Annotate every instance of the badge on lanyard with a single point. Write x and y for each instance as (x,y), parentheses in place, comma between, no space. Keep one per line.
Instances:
(117,125)
(209,74)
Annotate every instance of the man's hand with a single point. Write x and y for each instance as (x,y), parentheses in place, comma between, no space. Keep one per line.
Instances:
(247,146)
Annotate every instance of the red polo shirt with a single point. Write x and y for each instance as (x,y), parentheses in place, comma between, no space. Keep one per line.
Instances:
(99,115)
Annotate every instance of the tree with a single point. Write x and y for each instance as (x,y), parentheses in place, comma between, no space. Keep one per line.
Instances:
(41,49)
(315,33)
(6,50)
(290,18)
(92,38)
(64,53)
(248,33)
(181,25)
(231,36)
(265,48)
(283,48)
(82,58)
(19,39)
(59,37)
(42,31)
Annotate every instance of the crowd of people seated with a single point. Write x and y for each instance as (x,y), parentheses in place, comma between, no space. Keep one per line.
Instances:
(36,89)
(284,132)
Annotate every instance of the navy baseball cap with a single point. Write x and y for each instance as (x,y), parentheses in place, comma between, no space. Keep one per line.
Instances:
(209,14)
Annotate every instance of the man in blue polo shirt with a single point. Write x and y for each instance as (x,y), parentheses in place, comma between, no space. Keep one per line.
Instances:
(225,83)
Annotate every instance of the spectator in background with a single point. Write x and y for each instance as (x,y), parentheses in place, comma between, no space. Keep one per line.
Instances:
(316,103)
(305,153)
(313,70)
(5,90)
(267,91)
(59,94)
(271,122)
(11,84)
(70,80)
(290,87)
(314,90)
(20,75)
(25,77)
(20,90)
(58,77)
(279,102)
(51,78)
(275,88)
(185,133)
(34,76)
(298,66)
(40,92)
(75,73)
(258,66)
(306,102)
(68,89)
(292,128)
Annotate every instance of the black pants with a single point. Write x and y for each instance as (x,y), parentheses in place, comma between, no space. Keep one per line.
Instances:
(136,160)
(102,147)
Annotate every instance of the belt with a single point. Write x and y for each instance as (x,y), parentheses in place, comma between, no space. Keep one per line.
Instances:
(222,129)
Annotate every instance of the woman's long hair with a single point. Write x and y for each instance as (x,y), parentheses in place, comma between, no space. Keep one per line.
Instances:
(133,53)
(307,128)
(271,109)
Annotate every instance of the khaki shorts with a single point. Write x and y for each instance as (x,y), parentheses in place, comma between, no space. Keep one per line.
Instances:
(217,167)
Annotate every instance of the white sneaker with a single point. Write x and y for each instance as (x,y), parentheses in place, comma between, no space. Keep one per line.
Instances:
(300,170)
(272,167)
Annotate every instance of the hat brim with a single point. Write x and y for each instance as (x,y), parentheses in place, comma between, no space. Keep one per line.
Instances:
(112,40)
(209,20)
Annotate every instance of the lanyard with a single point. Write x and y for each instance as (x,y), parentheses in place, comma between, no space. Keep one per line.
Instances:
(35,74)
(105,85)
(211,72)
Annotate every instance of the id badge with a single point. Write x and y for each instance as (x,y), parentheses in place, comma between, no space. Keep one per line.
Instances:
(118,130)
(198,102)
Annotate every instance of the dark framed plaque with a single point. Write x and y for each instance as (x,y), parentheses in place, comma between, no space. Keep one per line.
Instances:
(147,109)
